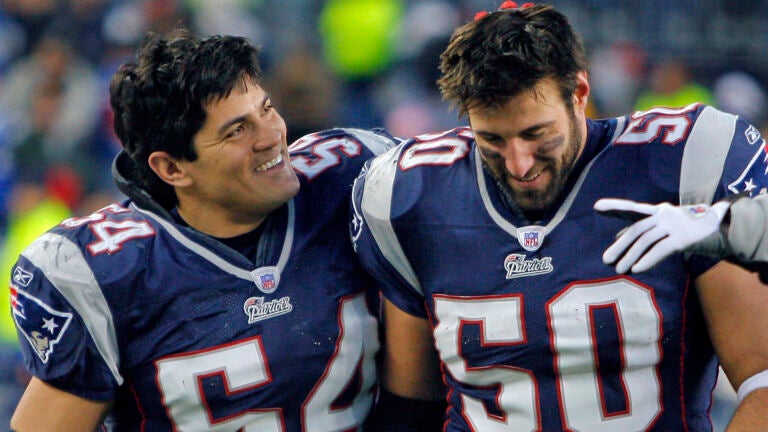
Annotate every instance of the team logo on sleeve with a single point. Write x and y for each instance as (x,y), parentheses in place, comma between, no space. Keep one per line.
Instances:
(40,324)
(746,180)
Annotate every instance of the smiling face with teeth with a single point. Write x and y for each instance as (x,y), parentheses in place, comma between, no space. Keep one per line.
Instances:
(531,143)
(243,170)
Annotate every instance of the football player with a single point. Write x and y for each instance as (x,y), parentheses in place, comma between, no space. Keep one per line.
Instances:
(224,295)
(490,252)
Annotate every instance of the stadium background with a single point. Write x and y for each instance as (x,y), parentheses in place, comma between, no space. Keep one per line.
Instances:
(337,62)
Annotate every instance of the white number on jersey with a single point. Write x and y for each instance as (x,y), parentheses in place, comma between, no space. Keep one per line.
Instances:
(325,154)
(569,318)
(244,366)
(436,149)
(646,126)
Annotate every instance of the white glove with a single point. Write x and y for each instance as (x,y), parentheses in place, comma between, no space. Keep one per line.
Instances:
(666,229)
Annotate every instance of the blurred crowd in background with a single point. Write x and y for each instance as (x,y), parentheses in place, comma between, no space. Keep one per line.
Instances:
(363,63)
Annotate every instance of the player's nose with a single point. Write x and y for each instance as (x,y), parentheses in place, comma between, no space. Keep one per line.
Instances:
(269,133)
(519,158)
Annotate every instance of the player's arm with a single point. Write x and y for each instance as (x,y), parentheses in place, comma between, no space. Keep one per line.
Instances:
(46,408)
(735,305)
(413,395)
(747,229)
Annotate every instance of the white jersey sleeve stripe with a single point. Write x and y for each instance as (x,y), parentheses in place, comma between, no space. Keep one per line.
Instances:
(72,277)
(704,156)
(376,204)
(377,144)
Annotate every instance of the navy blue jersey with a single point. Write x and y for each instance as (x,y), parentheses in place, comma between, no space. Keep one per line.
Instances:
(186,334)
(534,332)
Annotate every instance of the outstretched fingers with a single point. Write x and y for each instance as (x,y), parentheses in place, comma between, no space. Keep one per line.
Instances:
(625,240)
(659,251)
(644,248)
(624,209)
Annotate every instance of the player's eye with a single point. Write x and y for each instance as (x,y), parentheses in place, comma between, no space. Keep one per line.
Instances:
(532,135)
(236,131)
(493,140)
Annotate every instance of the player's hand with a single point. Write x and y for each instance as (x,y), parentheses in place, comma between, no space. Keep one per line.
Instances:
(663,230)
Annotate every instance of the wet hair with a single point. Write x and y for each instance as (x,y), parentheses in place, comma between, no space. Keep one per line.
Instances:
(501,54)
(158,101)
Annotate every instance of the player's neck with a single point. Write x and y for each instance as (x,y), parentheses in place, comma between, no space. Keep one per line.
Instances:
(217,222)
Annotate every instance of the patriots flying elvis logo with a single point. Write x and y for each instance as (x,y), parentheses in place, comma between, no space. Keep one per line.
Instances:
(41,325)
(750,177)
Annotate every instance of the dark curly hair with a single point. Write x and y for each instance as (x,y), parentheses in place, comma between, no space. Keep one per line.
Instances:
(504,53)
(159,101)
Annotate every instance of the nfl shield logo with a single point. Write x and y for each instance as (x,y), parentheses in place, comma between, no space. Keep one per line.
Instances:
(697,211)
(531,237)
(266,278)
(268,281)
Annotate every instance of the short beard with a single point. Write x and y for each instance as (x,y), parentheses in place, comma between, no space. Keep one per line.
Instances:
(536,204)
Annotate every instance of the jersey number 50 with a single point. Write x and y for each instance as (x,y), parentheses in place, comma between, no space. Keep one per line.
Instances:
(580,389)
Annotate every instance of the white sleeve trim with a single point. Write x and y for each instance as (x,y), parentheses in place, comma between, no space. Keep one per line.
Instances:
(704,156)
(72,277)
(376,205)
(756,381)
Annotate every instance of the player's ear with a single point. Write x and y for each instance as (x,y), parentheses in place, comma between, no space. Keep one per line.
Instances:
(581,93)
(169,169)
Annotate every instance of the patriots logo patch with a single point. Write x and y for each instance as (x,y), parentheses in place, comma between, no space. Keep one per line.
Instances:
(257,309)
(518,265)
(41,325)
(758,166)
